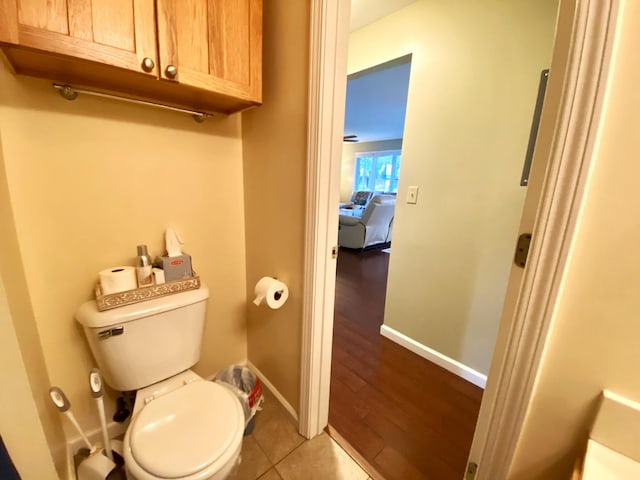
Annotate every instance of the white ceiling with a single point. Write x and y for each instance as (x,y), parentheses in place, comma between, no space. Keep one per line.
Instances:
(364,12)
(376,103)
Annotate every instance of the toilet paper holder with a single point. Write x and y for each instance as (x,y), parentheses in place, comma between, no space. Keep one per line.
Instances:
(271,291)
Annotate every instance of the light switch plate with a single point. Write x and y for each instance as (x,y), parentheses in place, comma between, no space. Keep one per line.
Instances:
(412,195)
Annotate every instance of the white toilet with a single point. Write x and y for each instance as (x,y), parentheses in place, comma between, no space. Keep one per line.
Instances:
(182,426)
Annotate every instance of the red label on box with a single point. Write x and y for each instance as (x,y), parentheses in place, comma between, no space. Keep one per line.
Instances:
(177,262)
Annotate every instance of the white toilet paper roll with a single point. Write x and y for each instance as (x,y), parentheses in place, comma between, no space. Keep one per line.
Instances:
(273,292)
(158,275)
(117,279)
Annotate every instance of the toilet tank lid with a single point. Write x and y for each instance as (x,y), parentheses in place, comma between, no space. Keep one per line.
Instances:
(89,316)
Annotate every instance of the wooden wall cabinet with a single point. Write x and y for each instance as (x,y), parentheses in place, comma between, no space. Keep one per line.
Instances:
(200,54)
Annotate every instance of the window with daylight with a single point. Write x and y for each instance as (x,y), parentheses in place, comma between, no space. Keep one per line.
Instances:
(377,171)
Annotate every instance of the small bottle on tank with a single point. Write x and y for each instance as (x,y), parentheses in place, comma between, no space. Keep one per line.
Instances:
(143,267)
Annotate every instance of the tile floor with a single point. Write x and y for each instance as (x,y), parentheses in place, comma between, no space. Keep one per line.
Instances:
(275,451)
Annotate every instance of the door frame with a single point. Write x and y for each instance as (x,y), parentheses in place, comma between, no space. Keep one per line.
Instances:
(329,37)
(524,329)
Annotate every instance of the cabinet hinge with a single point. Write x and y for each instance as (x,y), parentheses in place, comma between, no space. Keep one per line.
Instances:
(472,468)
(522,250)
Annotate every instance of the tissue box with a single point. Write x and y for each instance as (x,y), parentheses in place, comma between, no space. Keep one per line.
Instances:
(176,268)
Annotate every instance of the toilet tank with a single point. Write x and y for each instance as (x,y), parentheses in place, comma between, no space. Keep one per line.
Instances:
(141,344)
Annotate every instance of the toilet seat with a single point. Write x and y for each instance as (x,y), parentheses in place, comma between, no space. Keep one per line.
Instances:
(190,431)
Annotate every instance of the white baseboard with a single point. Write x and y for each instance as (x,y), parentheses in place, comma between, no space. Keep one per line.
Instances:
(273,390)
(265,381)
(438,358)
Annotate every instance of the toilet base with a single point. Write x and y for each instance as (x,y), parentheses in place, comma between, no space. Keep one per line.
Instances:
(223,474)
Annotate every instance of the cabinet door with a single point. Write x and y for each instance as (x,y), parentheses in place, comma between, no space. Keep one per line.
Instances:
(214,45)
(120,33)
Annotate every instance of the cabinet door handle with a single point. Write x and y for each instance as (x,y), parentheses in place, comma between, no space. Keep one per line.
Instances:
(171,71)
(147,64)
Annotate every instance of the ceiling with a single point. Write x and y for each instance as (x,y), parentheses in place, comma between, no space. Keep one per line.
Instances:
(377,97)
(364,12)
(376,102)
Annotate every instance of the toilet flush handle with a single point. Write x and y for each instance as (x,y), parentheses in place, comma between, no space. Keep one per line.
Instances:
(111,332)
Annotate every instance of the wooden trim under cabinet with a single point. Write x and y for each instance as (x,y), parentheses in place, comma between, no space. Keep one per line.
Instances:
(109,79)
(79,48)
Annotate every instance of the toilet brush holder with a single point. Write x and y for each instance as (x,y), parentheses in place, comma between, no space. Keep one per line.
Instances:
(96,466)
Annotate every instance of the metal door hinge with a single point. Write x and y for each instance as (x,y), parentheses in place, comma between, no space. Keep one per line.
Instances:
(472,468)
(334,252)
(522,249)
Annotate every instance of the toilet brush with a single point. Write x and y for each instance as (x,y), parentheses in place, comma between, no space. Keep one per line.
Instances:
(62,404)
(97,392)
(96,466)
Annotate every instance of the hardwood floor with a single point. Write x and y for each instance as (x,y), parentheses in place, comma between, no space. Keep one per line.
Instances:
(407,417)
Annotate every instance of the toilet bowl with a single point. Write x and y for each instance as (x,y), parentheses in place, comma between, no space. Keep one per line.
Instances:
(184,428)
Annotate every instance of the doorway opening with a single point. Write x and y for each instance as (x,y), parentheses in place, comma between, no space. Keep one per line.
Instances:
(375,110)
(462,155)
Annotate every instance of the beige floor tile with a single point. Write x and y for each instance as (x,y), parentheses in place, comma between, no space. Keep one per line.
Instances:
(320,459)
(271,475)
(275,430)
(254,461)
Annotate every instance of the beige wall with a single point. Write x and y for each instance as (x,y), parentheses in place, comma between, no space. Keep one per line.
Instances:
(24,323)
(474,77)
(274,147)
(544,144)
(594,339)
(19,423)
(348,168)
(89,180)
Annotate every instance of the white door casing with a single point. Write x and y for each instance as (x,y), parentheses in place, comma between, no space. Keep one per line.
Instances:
(327,94)
(526,320)
(573,119)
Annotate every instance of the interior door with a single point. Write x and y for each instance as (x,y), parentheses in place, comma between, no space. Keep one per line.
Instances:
(549,117)
(120,33)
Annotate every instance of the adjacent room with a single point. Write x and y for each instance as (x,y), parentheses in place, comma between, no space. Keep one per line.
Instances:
(372,153)
(420,285)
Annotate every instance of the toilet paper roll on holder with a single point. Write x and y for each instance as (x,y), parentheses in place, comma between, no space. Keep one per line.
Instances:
(262,292)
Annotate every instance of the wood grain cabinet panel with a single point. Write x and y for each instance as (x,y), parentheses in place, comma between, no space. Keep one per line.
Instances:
(199,54)
(120,33)
(213,45)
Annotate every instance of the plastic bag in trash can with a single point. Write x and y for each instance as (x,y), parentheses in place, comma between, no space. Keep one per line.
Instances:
(246,385)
